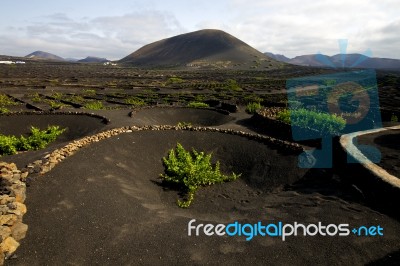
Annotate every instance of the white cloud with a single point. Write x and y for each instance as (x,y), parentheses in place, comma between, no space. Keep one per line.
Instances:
(290,27)
(107,36)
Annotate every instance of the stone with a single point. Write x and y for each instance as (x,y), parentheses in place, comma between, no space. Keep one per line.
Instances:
(9,246)
(7,176)
(19,231)
(12,166)
(16,177)
(5,232)
(4,209)
(5,199)
(8,219)
(19,209)
(19,190)
(24,175)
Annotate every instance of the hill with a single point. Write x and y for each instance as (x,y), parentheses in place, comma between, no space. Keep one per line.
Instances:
(44,56)
(278,57)
(350,60)
(203,48)
(92,59)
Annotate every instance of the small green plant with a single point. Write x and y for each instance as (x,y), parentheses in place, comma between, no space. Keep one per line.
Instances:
(320,121)
(252,108)
(37,139)
(232,84)
(57,95)
(197,105)
(174,80)
(4,110)
(394,118)
(8,145)
(95,105)
(76,99)
(191,170)
(184,124)
(36,98)
(252,98)
(89,92)
(55,105)
(135,101)
(6,101)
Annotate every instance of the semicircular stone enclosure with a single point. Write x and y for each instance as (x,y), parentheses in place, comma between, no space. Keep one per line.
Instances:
(175,115)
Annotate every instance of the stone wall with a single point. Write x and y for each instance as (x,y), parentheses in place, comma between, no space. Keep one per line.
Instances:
(12,209)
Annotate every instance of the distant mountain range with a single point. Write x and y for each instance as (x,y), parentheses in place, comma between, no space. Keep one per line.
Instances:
(203,48)
(278,57)
(211,48)
(92,59)
(339,60)
(40,55)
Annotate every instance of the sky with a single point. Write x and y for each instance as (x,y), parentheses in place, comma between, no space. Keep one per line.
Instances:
(114,29)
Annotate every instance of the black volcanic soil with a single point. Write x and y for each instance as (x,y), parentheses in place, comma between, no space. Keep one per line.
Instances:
(94,209)
(105,205)
(172,116)
(388,143)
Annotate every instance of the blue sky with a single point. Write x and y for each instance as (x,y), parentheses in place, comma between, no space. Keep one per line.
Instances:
(114,29)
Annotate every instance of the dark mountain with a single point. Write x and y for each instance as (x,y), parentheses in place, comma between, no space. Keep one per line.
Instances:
(341,60)
(278,57)
(204,48)
(92,59)
(71,59)
(40,55)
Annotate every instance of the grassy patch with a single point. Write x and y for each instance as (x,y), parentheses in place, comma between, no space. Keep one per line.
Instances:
(37,139)
(232,85)
(174,80)
(191,170)
(6,101)
(3,110)
(135,101)
(95,105)
(184,124)
(198,105)
(320,121)
(252,108)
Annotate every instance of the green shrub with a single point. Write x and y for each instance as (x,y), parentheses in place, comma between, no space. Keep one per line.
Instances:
(36,98)
(252,98)
(320,121)
(8,145)
(37,139)
(95,105)
(232,84)
(55,105)
(173,80)
(3,110)
(184,124)
(252,108)
(198,105)
(191,170)
(89,92)
(57,95)
(135,101)
(394,118)
(6,101)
